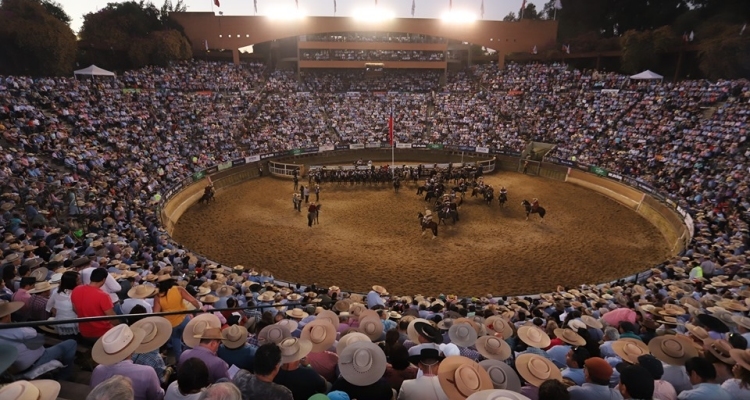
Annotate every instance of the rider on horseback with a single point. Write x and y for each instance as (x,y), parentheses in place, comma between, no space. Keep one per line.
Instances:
(427,217)
(534,205)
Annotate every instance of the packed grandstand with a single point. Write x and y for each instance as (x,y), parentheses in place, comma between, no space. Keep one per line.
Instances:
(85,164)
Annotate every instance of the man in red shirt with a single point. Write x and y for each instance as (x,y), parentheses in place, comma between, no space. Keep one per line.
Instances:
(90,301)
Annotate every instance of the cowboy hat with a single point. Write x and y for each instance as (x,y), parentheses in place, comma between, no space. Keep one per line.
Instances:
(630,349)
(297,313)
(591,322)
(8,355)
(273,334)
(141,291)
(497,394)
(536,369)
(43,389)
(371,325)
(741,357)
(330,316)
(234,337)
(266,296)
(293,349)
(570,337)
(720,349)
(209,299)
(427,331)
(40,274)
(672,349)
(44,286)
(380,290)
(225,291)
(411,331)
(502,375)
(425,355)
(210,334)
(493,348)
(362,363)
(350,338)
(498,324)
(460,377)
(204,290)
(290,324)
(713,323)
(533,336)
(118,344)
(445,323)
(9,307)
(356,309)
(196,326)
(741,321)
(320,333)
(462,334)
(158,331)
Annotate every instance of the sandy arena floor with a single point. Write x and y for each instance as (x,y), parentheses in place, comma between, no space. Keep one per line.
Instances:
(369,235)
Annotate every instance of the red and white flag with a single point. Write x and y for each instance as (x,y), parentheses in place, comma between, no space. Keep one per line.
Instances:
(390,128)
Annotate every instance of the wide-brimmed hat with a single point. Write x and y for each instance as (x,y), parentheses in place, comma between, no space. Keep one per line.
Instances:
(713,323)
(273,334)
(209,299)
(533,336)
(266,296)
(498,324)
(117,344)
(39,274)
(43,389)
(460,377)
(210,334)
(290,324)
(320,333)
(742,321)
(197,325)
(672,349)
(570,337)
(293,349)
(350,338)
(426,354)
(411,332)
(158,330)
(224,291)
(297,313)
(362,363)
(493,348)
(721,349)
(9,307)
(380,290)
(502,375)
(741,357)
(630,349)
(44,286)
(462,334)
(356,309)
(234,337)
(141,291)
(592,322)
(497,394)
(8,355)
(536,369)
(330,316)
(371,325)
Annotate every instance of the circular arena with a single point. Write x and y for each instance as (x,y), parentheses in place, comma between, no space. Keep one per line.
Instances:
(367,233)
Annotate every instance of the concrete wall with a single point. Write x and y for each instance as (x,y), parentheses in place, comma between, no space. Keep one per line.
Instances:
(621,193)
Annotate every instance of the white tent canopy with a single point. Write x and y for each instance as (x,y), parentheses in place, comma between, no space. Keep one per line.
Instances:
(647,75)
(93,70)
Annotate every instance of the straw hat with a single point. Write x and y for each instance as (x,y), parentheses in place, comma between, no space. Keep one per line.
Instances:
(41,287)
(462,334)
(672,349)
(362,363)
(9,307)
(197,325)
(536,369)
(273,334)
(293,349)
(371,325)
(533,336)
(158,330)
(741,357)
(356,309)
(203,290)
(592,322)
(210,333)
(225,291)
(350,338)
(570,337)
(119,343)
(290,324)
(493,348)
(498,324)
(497,394)
(297,313)
(141,291)
(380,290)
(294,297)
(320,333)
(234,337)
(697,332)
(502,375)
(40,274)
(411,332)
(330,316)
(460,377)
(445,323)
(742,321)
(209,299)
(43,389)
(630,349)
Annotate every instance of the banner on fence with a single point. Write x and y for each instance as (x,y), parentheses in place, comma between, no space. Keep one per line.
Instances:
(238,162)
(483,150)
(342,147)
(372,145)
(199,175)
(598,170)
(467,148)
(614,176)
(357,146)
(224,165)
(326,147)
(435,146)
(252,159)
(309,150)
(295,152)
(403,145)
(611,91)
(418,146)
(212,170)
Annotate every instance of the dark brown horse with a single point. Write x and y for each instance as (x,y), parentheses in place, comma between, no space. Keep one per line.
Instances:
(530,210)
(432,225)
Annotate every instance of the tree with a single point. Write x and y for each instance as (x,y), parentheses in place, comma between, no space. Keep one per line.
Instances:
(33,41)
(56,10)
(530,12)
(510,17)
(641,49)
(726,54)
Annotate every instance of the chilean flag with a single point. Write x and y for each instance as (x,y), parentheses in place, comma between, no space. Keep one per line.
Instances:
(390,128)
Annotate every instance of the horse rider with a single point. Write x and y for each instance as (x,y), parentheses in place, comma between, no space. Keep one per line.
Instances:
(503,191)
(208,191)
(427,217)
(535,205)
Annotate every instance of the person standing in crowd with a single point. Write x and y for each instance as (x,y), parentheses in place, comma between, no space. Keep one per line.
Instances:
(317,192)
(171,297)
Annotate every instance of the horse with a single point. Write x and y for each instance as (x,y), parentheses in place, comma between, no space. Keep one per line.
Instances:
(489,195)
(502,198)
(451,213)
(432,225)
(529,210)
(396,185)
(207,197)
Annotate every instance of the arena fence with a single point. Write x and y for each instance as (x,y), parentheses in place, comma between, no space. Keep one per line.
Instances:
(652,202)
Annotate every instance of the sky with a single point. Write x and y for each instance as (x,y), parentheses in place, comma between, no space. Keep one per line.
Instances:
(493,9)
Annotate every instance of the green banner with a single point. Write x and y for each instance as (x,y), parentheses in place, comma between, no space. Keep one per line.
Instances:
(199,175)
(598,170)
(295,152)
(435,146)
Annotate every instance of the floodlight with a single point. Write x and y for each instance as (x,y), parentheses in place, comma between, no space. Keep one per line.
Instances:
(459,17)
(373,14)
(286,14)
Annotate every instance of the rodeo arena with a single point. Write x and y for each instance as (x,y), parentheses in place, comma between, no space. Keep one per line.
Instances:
(402,229)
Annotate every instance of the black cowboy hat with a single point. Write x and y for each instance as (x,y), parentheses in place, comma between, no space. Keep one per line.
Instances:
(428,332)
(427,356)
(713,323)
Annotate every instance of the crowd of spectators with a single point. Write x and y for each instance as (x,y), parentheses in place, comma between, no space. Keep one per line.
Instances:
(373,37)
(371,55)
(390,80)
(84,162)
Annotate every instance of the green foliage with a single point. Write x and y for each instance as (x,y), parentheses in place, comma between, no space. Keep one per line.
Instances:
(56,10)
(131,35)
(510,17)
(33,41)
(530,12)
(641,49)
(726,54)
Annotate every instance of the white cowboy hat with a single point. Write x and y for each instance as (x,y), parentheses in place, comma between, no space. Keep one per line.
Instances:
(497,394)
(141,291)
(41,287)
(266,296)
(503,376)
(536,369)
(43,389)
(462,334)
(371,325)
(330,316)
(273,334)
(362,363)
(158,330)
(197,325)
(493,348)
(320,333)
(119,343)
(297,313)
(460,377)
(350,338)
(40,274)
(293,349)
(234,337)
(290,324)
(411,332)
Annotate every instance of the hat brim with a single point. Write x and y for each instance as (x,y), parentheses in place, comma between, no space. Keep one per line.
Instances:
(481,345)
(47,289)
(235,344)
(465,341)
(377,364)
(283,331)
(133,295)
(10,307)
(419,328)
(497,394)
(447,376)
(163,333)
(522,366)
(305,347)
(207,320)
(102,357)
(494,367)
(655,346)
(377,333)
(330,334)
(48,389)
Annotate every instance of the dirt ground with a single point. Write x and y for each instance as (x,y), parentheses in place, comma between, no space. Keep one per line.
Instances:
(369,235)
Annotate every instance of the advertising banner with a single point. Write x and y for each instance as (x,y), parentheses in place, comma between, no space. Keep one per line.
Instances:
(614,176)
(267,155)
(342,147)
(212,170)
(418,146)
(484,150)
(403,145)
(357,146)
(199,175)
(467,148)
(224,165)
(567,162)
(310,150)
(611,91)
(252,159)
(372,145)
(295,152)
(326,147)
(435,146)
(598,170)
(238,162)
